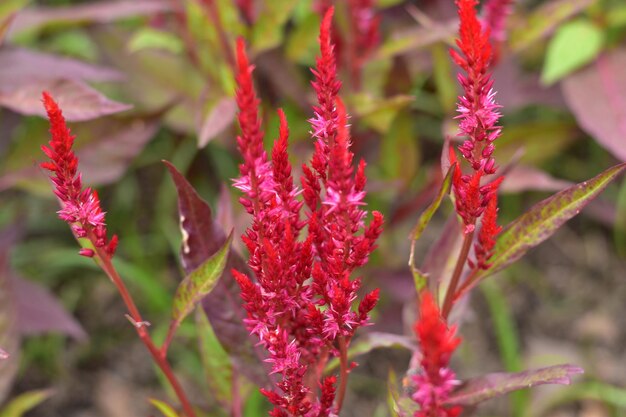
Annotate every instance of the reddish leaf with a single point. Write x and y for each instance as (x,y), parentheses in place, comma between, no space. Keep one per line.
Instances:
(218,119)
(78,101)
(19,65)
(597,97)
(38,311)
(544,218)
(101,12)
(202,237)
(105,148)
(489,386)
(524,178)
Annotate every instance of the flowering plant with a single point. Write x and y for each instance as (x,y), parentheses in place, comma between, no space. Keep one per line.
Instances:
(300,296)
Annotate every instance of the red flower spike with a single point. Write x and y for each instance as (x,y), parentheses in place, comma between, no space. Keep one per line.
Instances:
(303,299)
(436,380)
(80,208)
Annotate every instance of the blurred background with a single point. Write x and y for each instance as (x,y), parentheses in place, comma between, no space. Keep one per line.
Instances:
(145,80)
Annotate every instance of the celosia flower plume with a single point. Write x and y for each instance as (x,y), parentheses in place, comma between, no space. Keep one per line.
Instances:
(80,207)
(303,305)
(436,380)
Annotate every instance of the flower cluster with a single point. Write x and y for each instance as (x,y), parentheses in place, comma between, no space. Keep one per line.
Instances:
(80,208)
(436,380)
(478,123)
(302,305)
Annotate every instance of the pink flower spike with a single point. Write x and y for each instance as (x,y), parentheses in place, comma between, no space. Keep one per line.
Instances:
(79,207)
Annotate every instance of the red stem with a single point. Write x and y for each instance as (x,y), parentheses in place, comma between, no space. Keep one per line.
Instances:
(456,275)
(343,362)
(159,358)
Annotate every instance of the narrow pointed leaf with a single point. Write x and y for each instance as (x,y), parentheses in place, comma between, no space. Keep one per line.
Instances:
(199,282)
(545,217)
(25,402)
(164,408)
(483,388)
(427,215)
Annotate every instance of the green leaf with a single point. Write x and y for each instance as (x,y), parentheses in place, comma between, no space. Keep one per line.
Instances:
(377,113)
(544,218)
(574,45)
(482,388)
(164,408)
(199,283)
(268,30)
(149,38)
(598,391)
(215,361)
(427,215)
(399,155)
(8,7)
(543,20)
(25,402)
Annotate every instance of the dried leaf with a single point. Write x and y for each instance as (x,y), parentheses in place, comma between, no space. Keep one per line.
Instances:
(489,386)
(78,100)
(202,237)
(199,283)
(544,218)
(38,311)
(596,97)
(218,119)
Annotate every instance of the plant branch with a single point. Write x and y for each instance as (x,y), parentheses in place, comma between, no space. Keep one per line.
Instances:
(456,275)
(107,266)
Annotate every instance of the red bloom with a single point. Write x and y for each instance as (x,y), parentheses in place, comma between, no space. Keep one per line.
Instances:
(304,299)
(436,380)
(80,208)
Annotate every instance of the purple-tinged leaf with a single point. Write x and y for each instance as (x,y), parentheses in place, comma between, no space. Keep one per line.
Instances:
(98,12)
(597,97)
(525,178)
(218,119)
(18,65)
(79,101)
(485,387)
(105,148)
(544,218)
(202,237)
(38,311)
